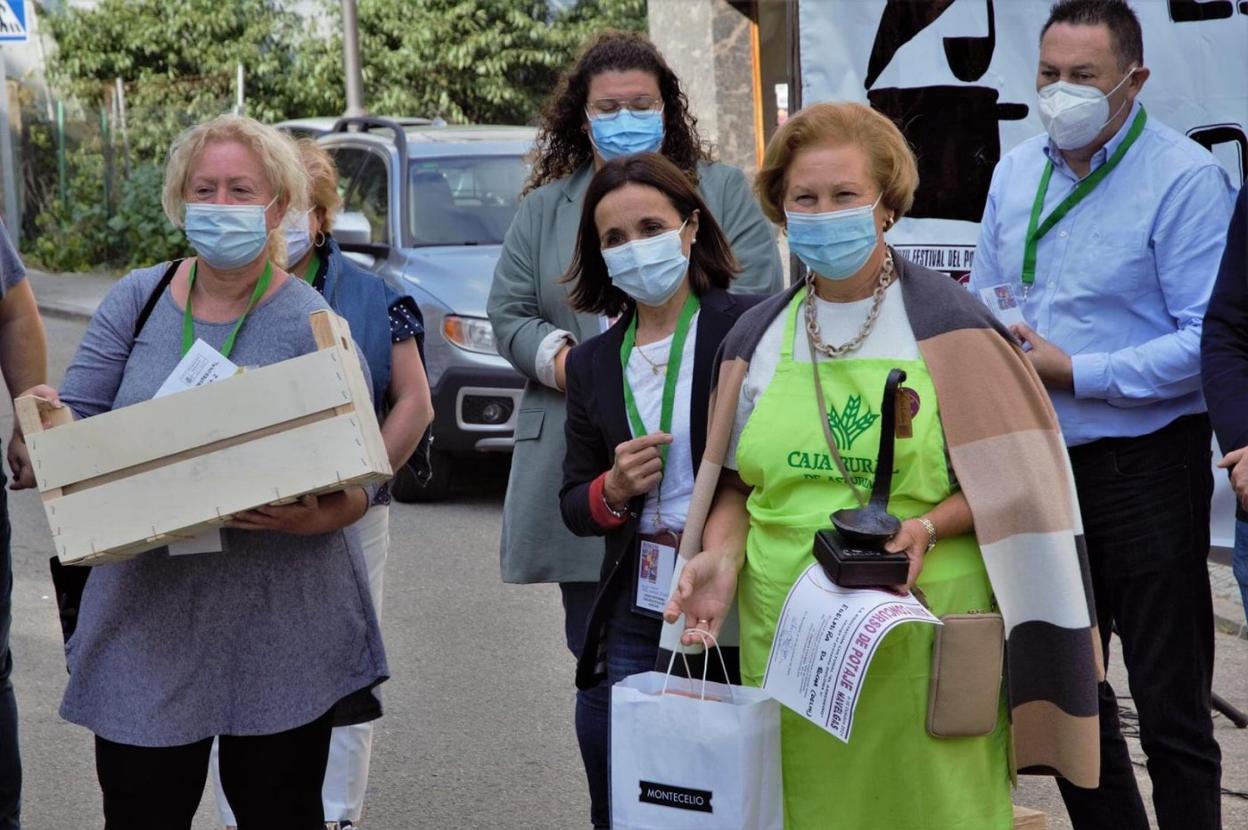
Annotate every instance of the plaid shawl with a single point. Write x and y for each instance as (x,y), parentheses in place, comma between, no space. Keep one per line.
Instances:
(1007,452)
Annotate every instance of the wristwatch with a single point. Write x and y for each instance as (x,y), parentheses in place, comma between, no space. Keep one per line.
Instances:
(927,525)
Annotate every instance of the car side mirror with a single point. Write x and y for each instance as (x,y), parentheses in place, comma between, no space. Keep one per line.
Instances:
(352,228)
(355,236)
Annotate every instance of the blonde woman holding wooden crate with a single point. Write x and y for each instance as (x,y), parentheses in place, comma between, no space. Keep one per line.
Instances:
(257,641)
(387,327)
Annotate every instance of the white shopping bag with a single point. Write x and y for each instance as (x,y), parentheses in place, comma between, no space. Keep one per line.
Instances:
(689,754)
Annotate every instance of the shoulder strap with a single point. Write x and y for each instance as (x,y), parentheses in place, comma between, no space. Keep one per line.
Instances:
(155,297)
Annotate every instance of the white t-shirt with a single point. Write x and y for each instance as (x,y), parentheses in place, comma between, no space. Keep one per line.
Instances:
(676,488)
(891,338)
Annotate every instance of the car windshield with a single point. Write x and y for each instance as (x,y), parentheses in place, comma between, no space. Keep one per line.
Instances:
(467,200)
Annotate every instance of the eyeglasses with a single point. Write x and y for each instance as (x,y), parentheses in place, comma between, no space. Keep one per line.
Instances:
(610,107)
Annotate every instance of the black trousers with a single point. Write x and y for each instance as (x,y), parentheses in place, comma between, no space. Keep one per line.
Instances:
(273,782)
(10,760)
(1145,506)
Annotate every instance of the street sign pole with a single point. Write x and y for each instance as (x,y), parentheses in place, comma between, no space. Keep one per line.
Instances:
(13,29)
(12,220)
(351,60)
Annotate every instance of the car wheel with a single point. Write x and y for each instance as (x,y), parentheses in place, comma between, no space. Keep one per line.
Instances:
(407,489)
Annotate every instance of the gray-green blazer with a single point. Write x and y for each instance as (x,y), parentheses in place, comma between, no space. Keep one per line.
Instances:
(527,303)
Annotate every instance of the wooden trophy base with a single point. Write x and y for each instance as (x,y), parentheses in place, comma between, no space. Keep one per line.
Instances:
(854,568)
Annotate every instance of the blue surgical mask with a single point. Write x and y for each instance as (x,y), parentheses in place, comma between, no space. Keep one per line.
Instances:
(649,270)
(835,245)
(626,133)
(226,236)
(298,240)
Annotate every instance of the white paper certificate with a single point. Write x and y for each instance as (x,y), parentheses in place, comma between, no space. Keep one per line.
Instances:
(202,365)
(825,640)
(1003,303)
(655,564)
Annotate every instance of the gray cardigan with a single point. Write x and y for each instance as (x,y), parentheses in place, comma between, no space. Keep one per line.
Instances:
(527,303)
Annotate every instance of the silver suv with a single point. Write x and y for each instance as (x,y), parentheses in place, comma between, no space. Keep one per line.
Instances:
(426,207)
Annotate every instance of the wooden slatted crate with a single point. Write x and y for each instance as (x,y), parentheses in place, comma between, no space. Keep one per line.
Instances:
(146,475)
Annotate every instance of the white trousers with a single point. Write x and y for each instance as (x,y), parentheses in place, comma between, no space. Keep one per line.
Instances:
(350,747)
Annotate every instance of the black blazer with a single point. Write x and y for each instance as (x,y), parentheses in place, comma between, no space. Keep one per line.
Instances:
(597,423)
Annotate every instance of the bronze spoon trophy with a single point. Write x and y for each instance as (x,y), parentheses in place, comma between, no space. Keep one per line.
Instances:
(852,550)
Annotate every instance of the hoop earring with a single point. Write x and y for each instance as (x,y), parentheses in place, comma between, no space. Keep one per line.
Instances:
(319,239)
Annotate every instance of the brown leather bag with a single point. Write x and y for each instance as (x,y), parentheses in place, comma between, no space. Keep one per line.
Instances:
(964,698)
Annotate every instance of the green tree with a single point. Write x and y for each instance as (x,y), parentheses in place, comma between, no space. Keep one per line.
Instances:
(476,61)
(178,61)
(178,65)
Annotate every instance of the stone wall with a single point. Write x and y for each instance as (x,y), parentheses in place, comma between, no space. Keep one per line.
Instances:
(708,45)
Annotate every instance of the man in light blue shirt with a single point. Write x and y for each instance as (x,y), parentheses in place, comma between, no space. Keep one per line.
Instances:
(1109,231)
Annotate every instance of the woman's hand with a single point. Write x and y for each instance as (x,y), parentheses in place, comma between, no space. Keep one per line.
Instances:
(637,470)
(704,594)
(309,516)
(17,454)
(952,517)
(911,540)
(49,394)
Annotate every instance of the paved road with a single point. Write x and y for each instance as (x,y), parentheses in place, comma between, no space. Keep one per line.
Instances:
(478,728)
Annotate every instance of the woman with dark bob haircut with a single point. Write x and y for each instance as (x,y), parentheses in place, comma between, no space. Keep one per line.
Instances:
(650,252)
(618,98)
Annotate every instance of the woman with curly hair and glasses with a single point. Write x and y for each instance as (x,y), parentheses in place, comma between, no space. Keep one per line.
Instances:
(619,98)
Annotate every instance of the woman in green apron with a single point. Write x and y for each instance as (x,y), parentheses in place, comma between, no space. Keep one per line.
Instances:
(838,176)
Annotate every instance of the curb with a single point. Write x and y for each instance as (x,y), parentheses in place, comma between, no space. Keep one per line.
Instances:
(64,311)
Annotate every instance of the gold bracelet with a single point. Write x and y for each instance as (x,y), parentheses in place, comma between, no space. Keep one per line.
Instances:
(931,532)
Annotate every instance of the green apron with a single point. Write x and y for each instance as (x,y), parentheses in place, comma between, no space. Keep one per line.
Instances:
(892,774)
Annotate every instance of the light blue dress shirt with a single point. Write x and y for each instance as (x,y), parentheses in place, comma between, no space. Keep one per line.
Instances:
(1122,280)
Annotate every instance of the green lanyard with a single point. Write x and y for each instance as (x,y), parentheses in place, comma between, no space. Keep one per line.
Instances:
(188,322)
(1036,229)
(314,265)
(673,372)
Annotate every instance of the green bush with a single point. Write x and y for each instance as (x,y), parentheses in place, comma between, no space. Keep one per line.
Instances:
(139,227)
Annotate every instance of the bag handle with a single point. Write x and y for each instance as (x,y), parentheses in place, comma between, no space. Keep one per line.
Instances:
(704,635)
(154,297)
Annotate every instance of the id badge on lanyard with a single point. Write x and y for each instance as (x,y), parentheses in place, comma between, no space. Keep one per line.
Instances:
(652,574)
(656,557)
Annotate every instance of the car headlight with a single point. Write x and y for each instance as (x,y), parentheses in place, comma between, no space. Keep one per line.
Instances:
(471,333)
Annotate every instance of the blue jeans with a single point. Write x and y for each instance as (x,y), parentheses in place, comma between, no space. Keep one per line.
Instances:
(10,761)
(1240,562)
(632,642)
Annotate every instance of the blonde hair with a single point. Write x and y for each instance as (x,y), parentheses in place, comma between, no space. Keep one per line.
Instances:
(891,160)
(323,196)
(277,155)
